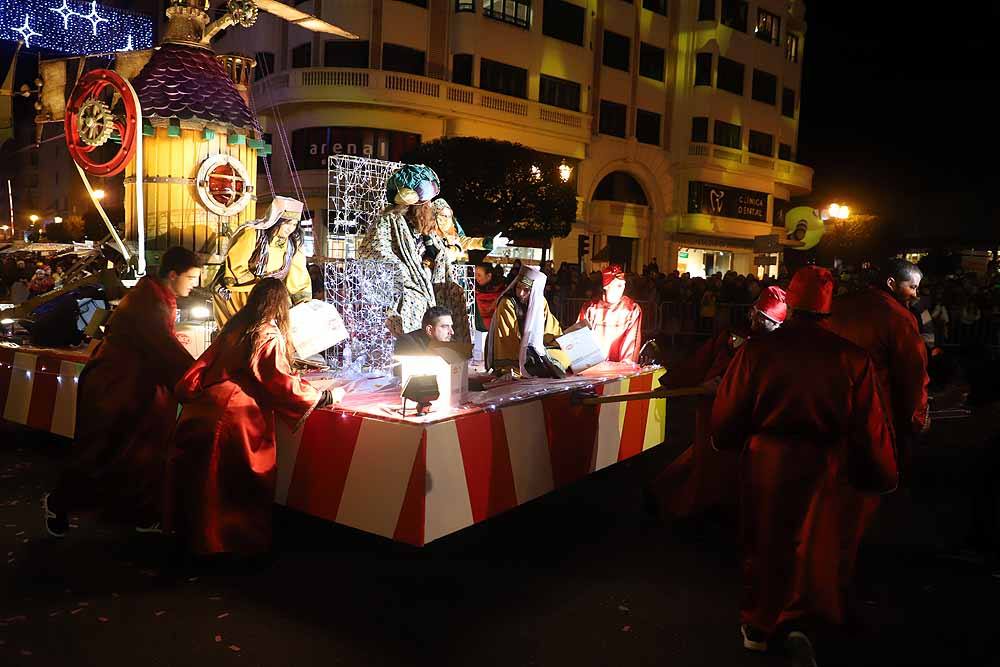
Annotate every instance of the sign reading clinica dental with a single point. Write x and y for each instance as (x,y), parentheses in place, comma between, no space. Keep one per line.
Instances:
(311,146)
(727,202)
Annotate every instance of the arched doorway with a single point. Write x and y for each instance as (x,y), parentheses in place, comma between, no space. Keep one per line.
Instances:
(625,190)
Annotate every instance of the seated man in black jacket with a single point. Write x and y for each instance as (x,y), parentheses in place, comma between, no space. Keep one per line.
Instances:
(436,325)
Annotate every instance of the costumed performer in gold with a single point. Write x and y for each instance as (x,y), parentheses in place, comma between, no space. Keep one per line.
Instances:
(521,328)
(266,248)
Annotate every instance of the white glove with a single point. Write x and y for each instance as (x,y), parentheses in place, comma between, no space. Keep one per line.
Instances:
(500,241)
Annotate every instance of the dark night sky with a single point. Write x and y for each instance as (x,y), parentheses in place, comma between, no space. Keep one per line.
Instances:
(897,111)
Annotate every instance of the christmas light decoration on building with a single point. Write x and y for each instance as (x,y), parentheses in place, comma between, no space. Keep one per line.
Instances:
(74,27)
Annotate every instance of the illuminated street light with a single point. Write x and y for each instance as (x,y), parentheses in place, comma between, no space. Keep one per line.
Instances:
(839,212)
(33,218)
(57,220)
(565,171)
(99,194)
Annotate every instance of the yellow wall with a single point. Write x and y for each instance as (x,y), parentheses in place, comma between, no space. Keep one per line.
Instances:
(173,211)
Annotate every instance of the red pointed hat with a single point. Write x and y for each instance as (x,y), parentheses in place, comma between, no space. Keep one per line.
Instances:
(610,273)
(811,289)
(771,302)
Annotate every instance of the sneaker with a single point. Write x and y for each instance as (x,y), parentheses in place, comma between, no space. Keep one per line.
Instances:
(800,650)
(753,639)
(151,528)
(56,525)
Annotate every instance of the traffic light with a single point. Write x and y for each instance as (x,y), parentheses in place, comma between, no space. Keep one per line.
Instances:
(583,245)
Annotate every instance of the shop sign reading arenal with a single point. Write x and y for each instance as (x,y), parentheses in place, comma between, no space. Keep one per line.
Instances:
(727,202)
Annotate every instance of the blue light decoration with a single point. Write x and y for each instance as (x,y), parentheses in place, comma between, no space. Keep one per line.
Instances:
(74,27)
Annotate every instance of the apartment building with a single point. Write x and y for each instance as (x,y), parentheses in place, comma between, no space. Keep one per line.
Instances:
(679,118)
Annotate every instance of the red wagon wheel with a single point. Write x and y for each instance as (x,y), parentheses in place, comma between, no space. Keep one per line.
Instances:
(101,109)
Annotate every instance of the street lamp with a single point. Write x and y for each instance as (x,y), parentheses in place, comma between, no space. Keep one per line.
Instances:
(99,194)
(565,171)
(33,218)
(837,211)
(57,220)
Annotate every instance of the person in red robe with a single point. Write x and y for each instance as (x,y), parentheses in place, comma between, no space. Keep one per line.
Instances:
(126,407)
(702,478)
(879,321)
(803,405)
(222,467)
(615,318)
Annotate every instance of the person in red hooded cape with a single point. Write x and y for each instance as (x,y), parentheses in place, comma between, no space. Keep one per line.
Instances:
(222,467)
(702,478)
(804,407)
(615,318)
(125,405)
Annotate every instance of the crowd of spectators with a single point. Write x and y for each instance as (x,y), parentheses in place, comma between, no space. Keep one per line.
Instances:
(26,275)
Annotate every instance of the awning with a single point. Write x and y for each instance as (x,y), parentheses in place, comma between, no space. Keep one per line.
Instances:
(704,241)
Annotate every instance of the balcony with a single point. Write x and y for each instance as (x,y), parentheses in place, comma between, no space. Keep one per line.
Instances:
(415,93)
(797,177)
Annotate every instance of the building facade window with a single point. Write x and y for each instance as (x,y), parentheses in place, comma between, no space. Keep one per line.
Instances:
(346,54)
(563,20)
(699,129)
(706,10)
(559,92)
(734,14)
(302,55)
(760,143)
(461,68)
(730,76)
(655,6)
(652,61)
(785,152)
(728,135)
(612,119)
(515,12)
(792,47)
(788,102)
(765,87)
(265,67)
(703,69)
(502,78)
(418,3)
(617,49)
(396,58)
(465,6)
(768,27)
(647,127)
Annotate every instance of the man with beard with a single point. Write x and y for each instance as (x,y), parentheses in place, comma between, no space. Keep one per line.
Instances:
(522,326)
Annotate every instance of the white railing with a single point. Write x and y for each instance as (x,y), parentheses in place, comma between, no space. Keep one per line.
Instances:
(463,95)
(790,171)
(411,84)
(503,104)
(559,117)
(328,77)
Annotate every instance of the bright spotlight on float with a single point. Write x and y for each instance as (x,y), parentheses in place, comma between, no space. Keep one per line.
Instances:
(99,194)
(200,313)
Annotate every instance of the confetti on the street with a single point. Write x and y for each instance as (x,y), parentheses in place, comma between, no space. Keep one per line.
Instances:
(54,613)
(161,612)
(234,647)
(19,533)
(76,611)
(223,615)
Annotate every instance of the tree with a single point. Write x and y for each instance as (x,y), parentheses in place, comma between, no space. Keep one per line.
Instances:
(498,186)
(856,239)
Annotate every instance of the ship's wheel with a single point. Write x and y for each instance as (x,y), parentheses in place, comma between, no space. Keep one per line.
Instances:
(102,123)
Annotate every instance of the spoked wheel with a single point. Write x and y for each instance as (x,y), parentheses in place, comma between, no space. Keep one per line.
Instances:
(101,113)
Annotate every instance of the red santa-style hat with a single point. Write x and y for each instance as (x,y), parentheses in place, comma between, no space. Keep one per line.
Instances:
(811,290)
(611,273)
(771,302)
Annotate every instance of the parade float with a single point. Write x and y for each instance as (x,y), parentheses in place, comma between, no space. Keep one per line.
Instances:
(178,122)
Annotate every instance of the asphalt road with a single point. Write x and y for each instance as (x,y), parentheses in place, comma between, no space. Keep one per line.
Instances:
(580,577)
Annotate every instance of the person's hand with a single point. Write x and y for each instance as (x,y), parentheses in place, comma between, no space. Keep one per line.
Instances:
(500,241)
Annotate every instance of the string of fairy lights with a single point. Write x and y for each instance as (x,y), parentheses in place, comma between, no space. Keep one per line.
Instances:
(74,27)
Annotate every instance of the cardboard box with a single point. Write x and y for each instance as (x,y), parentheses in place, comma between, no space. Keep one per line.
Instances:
(580,344)
(315,326)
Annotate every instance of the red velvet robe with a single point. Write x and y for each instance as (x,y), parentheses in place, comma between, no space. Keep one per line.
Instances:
(883,327)
(618,327)
(126,410)
(804,407)
(701,477)
(223,462)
